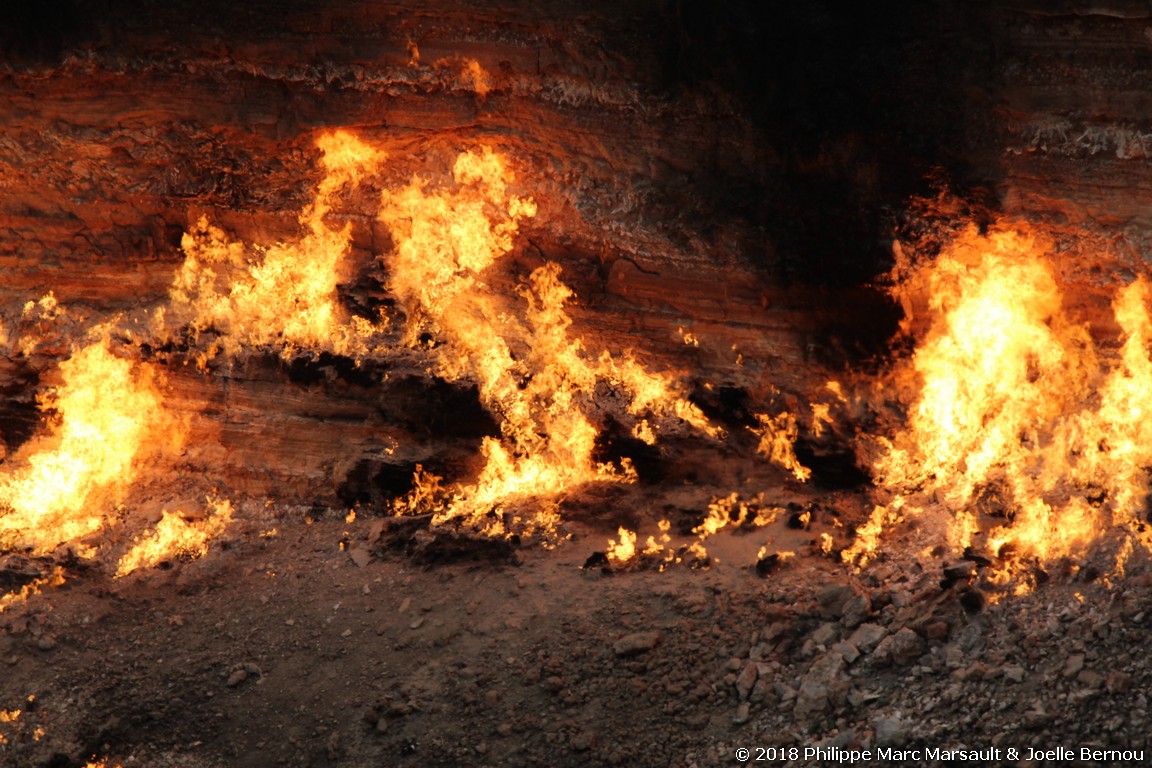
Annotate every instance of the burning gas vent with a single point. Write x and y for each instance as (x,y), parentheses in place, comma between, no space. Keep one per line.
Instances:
(523,384)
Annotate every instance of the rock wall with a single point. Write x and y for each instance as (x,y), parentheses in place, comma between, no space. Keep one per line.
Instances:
(734,172)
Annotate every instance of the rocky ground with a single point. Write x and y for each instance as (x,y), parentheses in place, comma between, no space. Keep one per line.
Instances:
(307,639)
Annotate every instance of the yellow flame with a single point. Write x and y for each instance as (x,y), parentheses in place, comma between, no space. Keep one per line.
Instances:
(866,546)
(528,367)
(282,296)
(476,78)
(1015,411)
(623,550)
(731,510)
(175,536)
(821,417)
(653,547)
(108,414)
(34,587)
(778,443)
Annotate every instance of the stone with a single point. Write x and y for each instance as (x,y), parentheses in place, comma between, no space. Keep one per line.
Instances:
(891,731)
(937,630)
(1090,678)
(1074,665)
(746,680)
(583,741)
(1014,673)
(763,691)
(867,637)
(826,634)
(833,600)
(821,685)
(856,611)
(636,644)
(743,713)
(1118,682)
(900,649)
(850,652)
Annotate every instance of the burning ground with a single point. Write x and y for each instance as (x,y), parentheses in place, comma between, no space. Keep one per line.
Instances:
(615,533)
(376,395)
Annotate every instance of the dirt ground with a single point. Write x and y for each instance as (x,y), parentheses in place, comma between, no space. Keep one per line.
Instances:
(305,639)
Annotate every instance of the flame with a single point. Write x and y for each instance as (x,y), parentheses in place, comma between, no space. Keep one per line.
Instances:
(1015,411)
(624,550)
(284,295)
(653,547)
(821,418)
(730,510)
(528,367)
(34,587)
(476,78)
(176,536)
(866,546)
(108,413)
(778,443)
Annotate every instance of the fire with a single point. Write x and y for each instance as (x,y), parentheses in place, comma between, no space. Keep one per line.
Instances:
(732,511)
(1014,413)
(282,296)
(35,318)
(177,535)
(529,369)
(109,413)
(551,391)
(778,440)
(34,587)
(623,550)
(653,547)
(476,78)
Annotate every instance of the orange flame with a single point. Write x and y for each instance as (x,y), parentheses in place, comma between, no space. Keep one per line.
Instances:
(109,414)
(778,440)
(284,295)
(1015,412)
(527,366)
(622,551)
(177,536)
(34,587)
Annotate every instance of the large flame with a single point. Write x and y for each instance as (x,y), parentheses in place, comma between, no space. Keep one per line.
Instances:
(530,370)
(109,413)
(285,295)
(550,393)
(1018,422)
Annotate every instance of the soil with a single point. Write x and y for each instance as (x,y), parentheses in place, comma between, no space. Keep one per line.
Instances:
(304,638)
